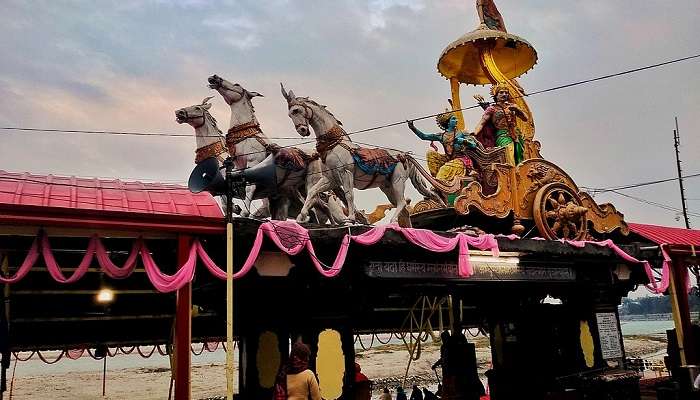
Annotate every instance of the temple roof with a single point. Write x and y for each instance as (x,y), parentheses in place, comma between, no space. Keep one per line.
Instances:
(667,235)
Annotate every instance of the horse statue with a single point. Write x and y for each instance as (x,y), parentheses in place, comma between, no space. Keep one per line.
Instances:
(210,140)
(297,170)
(347,166)
(245,140)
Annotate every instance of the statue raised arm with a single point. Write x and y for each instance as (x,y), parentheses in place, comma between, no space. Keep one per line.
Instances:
(454,162)
(497,127)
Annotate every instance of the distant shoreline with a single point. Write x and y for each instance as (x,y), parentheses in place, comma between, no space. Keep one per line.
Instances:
(694,316)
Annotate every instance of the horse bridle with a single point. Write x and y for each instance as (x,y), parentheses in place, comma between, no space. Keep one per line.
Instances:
(189,118)
(308,113)
(241,93)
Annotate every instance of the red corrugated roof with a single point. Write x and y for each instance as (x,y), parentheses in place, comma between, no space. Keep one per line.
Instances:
(112,195)
(667,235)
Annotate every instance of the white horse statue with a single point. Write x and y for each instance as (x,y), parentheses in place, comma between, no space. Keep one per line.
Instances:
(245,140)
(347,166)
(297,171)
(210,140)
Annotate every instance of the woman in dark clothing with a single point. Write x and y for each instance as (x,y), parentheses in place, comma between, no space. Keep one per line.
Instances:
(400,394)
(416,394)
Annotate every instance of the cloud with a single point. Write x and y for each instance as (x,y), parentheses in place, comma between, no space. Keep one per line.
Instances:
(239,32)
(380,10)
(129,65)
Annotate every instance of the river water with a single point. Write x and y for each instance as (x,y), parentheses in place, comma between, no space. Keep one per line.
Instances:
(645,327)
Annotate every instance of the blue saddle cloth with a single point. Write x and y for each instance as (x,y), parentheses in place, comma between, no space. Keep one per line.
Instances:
(374,161)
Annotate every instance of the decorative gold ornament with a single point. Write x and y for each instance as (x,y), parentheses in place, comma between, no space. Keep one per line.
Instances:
(535,192)
(499,87)
(559,213)
(444,118)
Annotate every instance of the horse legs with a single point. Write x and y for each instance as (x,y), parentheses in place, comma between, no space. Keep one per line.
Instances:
(387,189)
(347,181)
(398,186)
(249,192)
(281,208)
(322,185)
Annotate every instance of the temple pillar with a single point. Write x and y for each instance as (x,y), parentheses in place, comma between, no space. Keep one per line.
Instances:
(681,311)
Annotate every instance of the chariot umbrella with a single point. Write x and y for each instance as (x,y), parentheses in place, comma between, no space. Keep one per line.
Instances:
(486,55)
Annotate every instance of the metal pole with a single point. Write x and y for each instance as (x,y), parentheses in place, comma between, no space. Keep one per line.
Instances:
(229,278)
(676,144)
(104,374)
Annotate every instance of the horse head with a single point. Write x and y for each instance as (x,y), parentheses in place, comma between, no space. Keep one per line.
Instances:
(195,115)
(298,111)
(231,92)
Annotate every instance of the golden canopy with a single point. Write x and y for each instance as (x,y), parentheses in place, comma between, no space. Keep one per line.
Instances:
(462,59)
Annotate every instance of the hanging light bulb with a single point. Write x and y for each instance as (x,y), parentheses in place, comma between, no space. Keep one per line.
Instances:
(105,296)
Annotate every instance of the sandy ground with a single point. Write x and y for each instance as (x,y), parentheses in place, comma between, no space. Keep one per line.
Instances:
(131,377)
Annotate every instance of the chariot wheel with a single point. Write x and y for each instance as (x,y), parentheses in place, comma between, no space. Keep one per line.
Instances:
(559,213)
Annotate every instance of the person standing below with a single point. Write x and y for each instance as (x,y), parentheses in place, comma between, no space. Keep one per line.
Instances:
(385,395)
(363,386)
(498,124)
(295,380)
(400,394)
(416,393)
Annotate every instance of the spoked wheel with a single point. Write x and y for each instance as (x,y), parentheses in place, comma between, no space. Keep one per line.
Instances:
(559,213)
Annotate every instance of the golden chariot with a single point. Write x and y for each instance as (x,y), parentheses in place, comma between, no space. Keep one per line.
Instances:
(533,194)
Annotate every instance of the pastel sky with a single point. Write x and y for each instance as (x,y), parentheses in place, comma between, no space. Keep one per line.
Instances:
(127,65)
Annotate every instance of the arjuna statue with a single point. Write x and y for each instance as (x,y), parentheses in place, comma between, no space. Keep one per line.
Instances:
(497,127)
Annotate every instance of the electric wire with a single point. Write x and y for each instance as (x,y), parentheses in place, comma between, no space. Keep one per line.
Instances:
(653,203)
(383,126)
(555,88)
(636,185)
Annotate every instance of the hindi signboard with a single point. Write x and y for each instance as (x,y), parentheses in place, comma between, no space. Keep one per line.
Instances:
(609,334)
(492,270)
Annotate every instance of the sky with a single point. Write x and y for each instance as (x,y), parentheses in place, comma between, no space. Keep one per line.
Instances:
(128,65)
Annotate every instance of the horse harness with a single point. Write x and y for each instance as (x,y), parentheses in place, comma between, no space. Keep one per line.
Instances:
(334,137)
(211,150)
(251,130)
(239,133)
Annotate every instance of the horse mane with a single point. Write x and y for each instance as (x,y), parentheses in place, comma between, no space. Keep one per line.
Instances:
(210,118)
(321,106)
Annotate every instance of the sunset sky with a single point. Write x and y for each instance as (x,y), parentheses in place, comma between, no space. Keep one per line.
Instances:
(127,65)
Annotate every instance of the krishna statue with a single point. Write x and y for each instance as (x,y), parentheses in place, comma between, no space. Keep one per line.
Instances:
(454,162)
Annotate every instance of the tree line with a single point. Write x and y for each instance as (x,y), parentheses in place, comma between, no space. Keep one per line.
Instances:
(654,305)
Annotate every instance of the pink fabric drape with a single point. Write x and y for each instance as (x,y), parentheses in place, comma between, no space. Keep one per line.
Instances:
(429,240)
(169,283)
(291,238)
(27,264)
(55,269)
(112,270)
(208,262)
(288,236)
(95,249)
(653,286)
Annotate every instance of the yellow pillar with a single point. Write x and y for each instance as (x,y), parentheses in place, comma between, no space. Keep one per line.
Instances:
(679,307)
(457,103)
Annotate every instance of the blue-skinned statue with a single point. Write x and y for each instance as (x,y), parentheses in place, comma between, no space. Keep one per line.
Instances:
(454,162)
